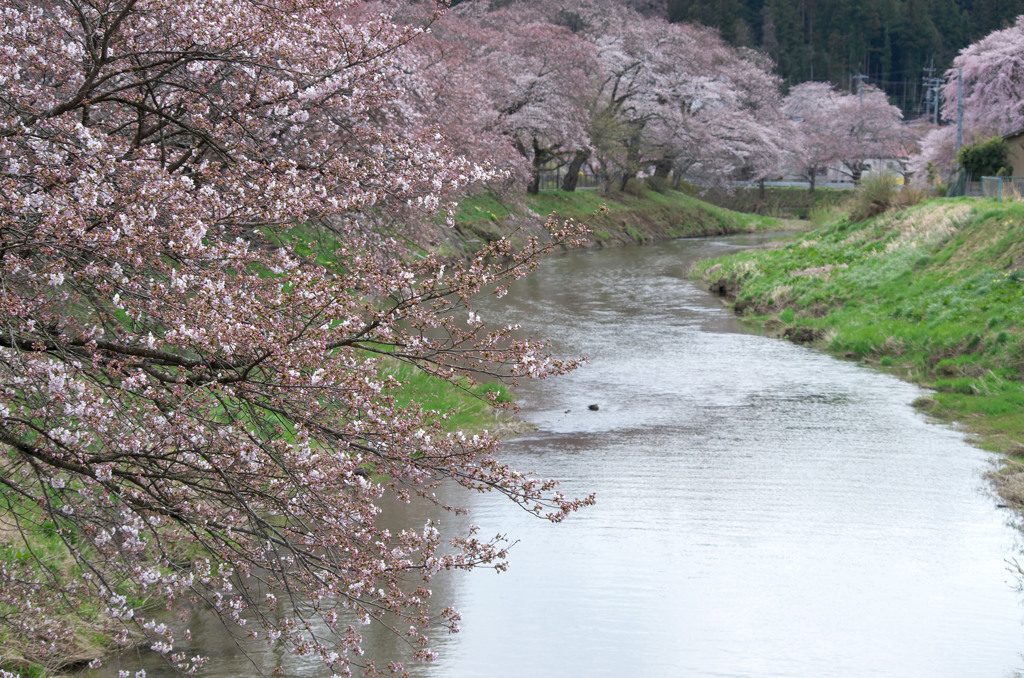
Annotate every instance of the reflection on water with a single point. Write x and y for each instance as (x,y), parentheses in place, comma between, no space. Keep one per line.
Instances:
(763,510)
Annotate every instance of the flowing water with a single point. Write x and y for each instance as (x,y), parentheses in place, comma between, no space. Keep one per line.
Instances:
(763,509)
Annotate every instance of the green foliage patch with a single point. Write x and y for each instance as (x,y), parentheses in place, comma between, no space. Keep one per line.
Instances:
(987,158)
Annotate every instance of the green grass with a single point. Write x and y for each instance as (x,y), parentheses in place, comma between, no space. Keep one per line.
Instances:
(482,207)
(614,218)
(574,205)
(932,292)
(791,202)
(467,407)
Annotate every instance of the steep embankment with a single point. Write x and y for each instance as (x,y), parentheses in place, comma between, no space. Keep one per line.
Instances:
(934,293)
(616,219)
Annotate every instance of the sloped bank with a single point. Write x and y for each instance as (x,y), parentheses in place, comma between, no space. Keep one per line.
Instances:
(933,293)
(640,216)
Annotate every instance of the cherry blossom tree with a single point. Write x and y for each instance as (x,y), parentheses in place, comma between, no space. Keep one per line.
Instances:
(867,128)
(731,120)
(843,131)
(647,109)
(536,76)
(993,96)
(673,97)
(934,163)
(443,80)
(993,83)
(195,317)
(812,107)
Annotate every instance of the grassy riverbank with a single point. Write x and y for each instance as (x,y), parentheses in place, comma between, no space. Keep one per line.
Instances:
(779,201)
(933,293)
(638,216)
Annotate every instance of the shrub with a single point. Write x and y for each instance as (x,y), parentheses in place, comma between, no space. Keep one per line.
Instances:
(823,214)
(874,195)
(634,187)
(986,158)
(908,196)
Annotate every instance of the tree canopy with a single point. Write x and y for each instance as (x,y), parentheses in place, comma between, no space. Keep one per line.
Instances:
(197,304)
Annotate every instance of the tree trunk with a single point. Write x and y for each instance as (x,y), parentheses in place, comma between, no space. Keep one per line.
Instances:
(604,175)
(664,167)
(632,160)
(572,175)
(539,158)
(533,188)
(626,176)
(813,177)
(607,183)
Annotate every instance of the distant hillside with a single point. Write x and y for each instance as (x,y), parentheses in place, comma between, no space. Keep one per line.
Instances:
(892,42)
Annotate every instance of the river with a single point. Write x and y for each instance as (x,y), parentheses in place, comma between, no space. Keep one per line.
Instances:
(763,509)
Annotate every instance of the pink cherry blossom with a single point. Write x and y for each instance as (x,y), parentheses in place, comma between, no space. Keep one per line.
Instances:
(845,131)
(198,298)
(992,70)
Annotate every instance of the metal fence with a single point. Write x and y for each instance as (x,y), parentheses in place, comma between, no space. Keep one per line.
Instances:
(962,184)
(551,180)
(1002,188)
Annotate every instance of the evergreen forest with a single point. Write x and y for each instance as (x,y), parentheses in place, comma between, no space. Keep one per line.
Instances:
(896,44)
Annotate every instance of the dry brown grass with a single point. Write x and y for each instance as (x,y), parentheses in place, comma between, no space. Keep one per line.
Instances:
(1009,482)
(926,227)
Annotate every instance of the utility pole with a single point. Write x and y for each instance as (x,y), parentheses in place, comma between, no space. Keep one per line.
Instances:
(959,108)
(931,90)
(860,86)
